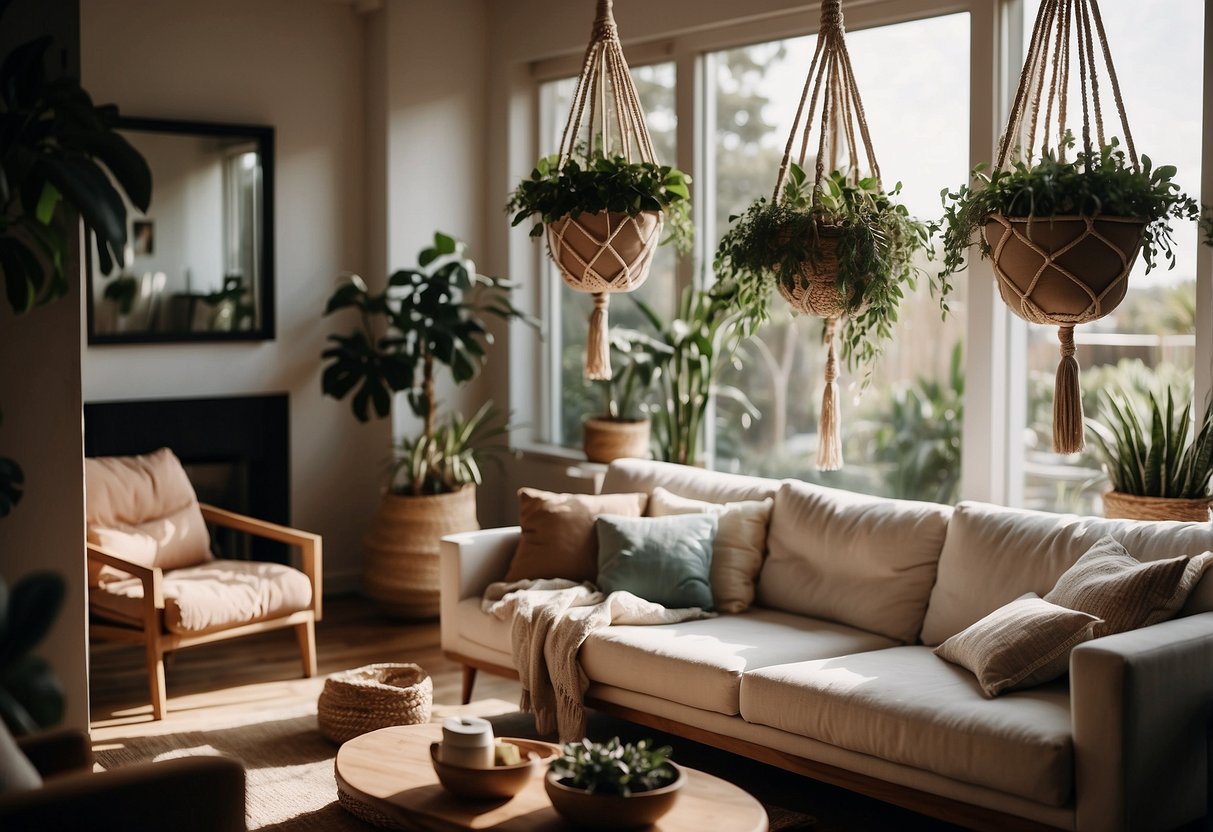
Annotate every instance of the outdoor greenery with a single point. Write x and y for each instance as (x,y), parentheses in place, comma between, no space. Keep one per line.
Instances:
(614,767)
(31,697)
(636,361)
(1095,183)
(874,238)
(604,183)
(1162,452)
(426,319)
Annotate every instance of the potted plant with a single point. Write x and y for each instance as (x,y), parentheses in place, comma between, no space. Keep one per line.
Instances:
(1160,462)
(426,320)
(613,785)
(845,250)
(622,429)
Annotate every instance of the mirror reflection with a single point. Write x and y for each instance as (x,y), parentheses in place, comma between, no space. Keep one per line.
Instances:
(198,264)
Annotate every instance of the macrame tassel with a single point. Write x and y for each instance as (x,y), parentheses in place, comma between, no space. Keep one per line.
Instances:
(1067,398)
(829,432)
(598,342)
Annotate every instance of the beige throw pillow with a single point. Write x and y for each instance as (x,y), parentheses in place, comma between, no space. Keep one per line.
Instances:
(1126,593)
(741,539)
(1025,643)
(558,539)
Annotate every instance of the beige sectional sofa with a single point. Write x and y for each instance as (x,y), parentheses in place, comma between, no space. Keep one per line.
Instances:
(832,673)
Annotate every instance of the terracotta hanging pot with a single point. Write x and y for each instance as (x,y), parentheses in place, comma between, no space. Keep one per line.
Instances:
(605,252)
(1063,270)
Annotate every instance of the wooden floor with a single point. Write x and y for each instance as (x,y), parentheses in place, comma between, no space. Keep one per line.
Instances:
(214,685)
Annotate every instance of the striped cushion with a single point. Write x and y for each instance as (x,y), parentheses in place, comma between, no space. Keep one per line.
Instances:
(1111,584)
(1025,643)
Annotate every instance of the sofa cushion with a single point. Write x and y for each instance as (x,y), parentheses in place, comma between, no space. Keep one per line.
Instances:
(1111,584)
(908,706)
(994,554)
(665,560)
(558,539)
(1020,645)
(741,541)
(852,558)
(689,481)
(213,596)
(474,624)
(700,663)
(143,508)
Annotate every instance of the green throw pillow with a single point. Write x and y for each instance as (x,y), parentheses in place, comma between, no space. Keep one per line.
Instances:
(666,560)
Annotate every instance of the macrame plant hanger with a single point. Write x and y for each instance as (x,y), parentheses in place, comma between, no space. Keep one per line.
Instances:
(843,128)
(608,251)
(1063,270)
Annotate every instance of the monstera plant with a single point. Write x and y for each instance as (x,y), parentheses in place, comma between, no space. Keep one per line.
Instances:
(59,158)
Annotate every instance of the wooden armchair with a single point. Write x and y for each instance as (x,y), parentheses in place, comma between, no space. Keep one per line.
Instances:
(150,585)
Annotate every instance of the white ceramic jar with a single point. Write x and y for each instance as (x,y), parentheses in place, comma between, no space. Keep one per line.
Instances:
(467,741)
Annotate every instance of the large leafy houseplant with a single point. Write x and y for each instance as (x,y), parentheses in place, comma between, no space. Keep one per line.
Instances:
(622,427)
(59,157)
(869,239)
(425,320)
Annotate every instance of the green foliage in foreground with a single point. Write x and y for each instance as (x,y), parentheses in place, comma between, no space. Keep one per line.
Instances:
(614,767)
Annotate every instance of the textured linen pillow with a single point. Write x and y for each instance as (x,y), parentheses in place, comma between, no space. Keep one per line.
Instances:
(741,540)
(1111,584)
(1025,643)
(666,560)
(558,539)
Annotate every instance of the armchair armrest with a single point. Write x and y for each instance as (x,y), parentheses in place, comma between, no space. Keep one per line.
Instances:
(468,563)
(58,752)
(151,577)
(1141,703)
(311,546)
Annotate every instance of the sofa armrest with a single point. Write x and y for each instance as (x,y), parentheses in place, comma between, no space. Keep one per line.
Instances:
(58,752)
(469,562)
(1141,703)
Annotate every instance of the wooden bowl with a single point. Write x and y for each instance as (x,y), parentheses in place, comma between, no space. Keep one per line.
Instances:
(498,782)
(612,811)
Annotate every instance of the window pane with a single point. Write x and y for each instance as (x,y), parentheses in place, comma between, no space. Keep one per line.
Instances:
(1149,341)
(578,397)
(902,437)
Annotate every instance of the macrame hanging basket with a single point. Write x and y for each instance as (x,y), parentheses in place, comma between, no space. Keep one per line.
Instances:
(1063,270)
(607,251)
(813,288)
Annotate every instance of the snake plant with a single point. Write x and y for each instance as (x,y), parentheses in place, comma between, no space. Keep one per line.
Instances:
(1161,453)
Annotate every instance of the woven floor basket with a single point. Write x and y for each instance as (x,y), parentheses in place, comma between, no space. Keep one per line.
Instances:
(368,698)
(813,288)
(1131,507)
(605,252)
(1063,270)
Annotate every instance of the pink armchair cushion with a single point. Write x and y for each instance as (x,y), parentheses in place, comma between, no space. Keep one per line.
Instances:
(214,596)
(143,508)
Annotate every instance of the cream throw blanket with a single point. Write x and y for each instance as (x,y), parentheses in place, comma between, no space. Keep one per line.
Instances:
(549,621)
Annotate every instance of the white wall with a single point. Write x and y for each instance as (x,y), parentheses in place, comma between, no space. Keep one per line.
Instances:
(296,65)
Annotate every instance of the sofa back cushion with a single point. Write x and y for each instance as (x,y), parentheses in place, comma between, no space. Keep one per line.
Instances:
(144,509)
(994,554)
(685,481)
(852,558)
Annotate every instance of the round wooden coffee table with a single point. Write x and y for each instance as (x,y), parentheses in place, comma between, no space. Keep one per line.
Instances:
(385,777)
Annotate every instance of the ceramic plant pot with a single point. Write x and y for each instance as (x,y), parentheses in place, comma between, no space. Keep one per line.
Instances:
(606,440)
(593,810)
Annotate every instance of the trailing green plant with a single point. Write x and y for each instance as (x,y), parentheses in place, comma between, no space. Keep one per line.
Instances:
(1160,453)
(876,243)
(636,360)
(614,767)
(59,157)
(31,697)
(426,319)
(1094,183)
(702,338)
(605,183)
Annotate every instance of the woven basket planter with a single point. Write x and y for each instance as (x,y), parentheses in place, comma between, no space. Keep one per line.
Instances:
(1117,504)
(1063,270)
(401,571)
(605,252)
(813,288)
(606,440)
(369,698)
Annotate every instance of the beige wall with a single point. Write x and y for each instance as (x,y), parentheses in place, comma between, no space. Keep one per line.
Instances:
(296,65)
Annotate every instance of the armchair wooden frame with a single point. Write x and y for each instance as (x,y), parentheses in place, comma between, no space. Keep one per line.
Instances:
(158,641)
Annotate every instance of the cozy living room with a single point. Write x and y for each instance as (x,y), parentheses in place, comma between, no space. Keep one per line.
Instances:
(679,415)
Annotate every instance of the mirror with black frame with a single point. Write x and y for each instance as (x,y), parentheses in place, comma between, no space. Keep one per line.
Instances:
(199,265)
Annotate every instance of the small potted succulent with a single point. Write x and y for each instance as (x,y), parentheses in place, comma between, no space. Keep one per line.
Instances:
(613,785)
(1160,462)
(622,429)
(844,250)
